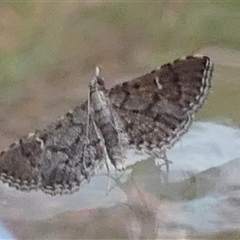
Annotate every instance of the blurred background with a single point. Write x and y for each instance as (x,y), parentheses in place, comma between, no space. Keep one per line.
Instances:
(49,50)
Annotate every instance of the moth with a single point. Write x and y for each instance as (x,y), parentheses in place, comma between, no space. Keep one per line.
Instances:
(147,114)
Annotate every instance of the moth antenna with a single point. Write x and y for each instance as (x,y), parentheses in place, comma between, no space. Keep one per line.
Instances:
(97,72)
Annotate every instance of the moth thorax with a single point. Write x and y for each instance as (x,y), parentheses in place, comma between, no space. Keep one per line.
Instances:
(98,100)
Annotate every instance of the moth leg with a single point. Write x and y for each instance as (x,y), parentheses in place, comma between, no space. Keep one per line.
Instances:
(84,159)
(166,163)
(87,136)
(105,154)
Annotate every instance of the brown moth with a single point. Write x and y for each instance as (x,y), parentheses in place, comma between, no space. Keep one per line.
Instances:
(147,114)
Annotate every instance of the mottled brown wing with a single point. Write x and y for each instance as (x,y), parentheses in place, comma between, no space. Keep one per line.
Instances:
(53,159)
(19,167)
(158,108)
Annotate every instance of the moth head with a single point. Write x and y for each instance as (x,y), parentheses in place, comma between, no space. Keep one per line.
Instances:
(97,83)
(97,92)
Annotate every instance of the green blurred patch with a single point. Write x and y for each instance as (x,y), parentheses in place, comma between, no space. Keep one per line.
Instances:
(121,35)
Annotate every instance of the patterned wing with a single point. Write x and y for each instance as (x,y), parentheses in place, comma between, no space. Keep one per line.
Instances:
(158,108)
(53,159)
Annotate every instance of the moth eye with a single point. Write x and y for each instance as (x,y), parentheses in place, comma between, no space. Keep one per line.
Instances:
(100,81)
